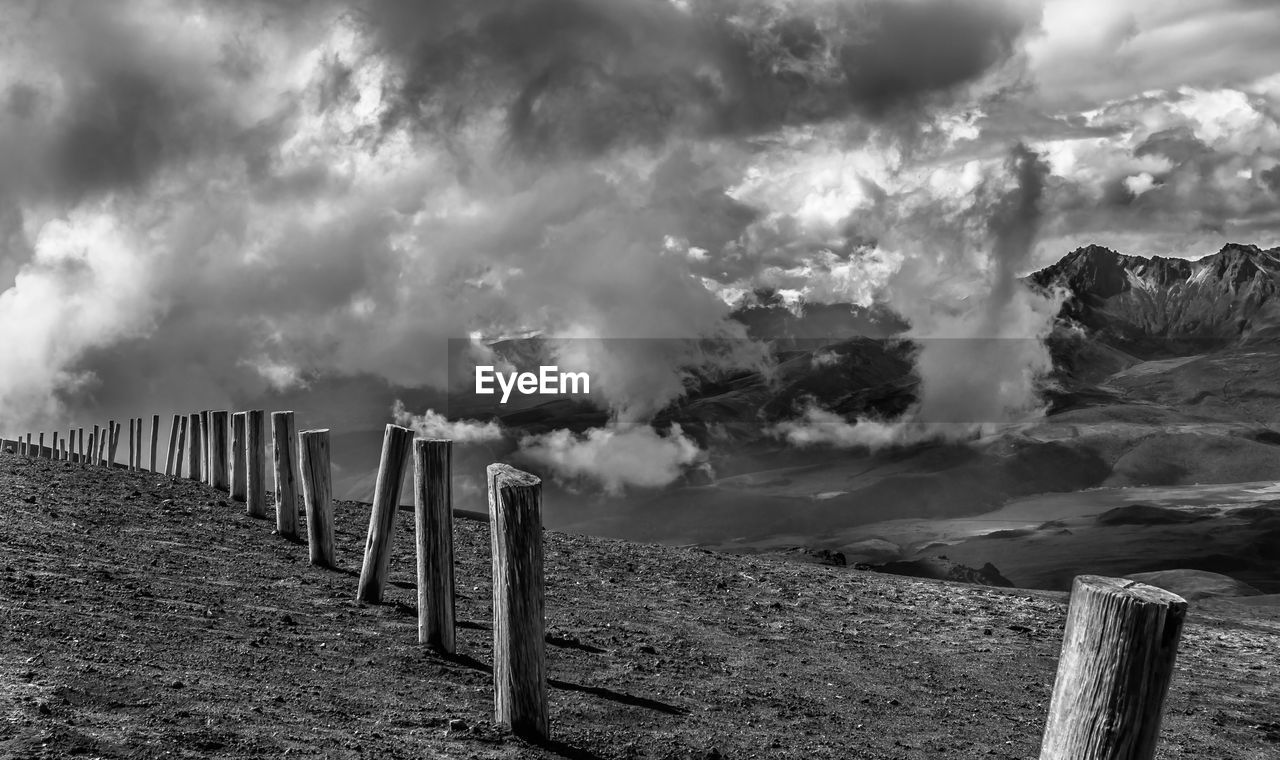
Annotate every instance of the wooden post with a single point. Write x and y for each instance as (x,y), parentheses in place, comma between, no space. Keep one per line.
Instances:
(1118,650)
(132,451)
(93,445)
(519,650)
(102,447)
(173,447)
(396,444)
(155,440)
(218,449)
(25,445)
(53,447)
(255,471)
(237,456)
(113,445)
(433,520)
(286,472)
(80,446)
(40,451)
(313,455)
(206,449)
(182,442)
(194,455)
(63,455)
(69,453)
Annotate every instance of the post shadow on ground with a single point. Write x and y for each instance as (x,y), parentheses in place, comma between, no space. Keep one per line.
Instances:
(468,661)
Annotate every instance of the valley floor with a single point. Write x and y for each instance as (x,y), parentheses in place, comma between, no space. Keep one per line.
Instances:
(142,616)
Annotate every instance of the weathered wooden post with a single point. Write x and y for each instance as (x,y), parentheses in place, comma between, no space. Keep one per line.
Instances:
(40,451)
(88,457)
(80,446)
(194,456)
(113,445)
(519,650)
(173,447)
(255,471)
(396,443)
(93,444)
(182,441)
(206,449)
(313,455)
(53,446)
(102,447)
(218,449)
(237,456)
(132,452)
(286,472)
(23,445)
(155,440)
(70,454)
(433,521)
(1118,650)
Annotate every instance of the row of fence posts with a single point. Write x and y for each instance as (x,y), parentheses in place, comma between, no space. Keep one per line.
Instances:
(1119,643)
(227,452)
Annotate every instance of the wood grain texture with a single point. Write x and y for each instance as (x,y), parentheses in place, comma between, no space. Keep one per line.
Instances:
(1118,650)
(286,473)
(237,456)
(93,445)
(194,454)
(255,471)
(519,648)
(396,444)
(102,447)
(219,422)
(313,465)
(80,446)
(433,523)
(173,447)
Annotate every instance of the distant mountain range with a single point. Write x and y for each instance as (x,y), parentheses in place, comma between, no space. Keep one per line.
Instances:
(1160,307)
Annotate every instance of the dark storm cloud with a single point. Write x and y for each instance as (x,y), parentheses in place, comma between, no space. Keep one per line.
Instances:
(581,77)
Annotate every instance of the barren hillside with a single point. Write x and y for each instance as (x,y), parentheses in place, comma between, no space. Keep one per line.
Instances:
(147,617)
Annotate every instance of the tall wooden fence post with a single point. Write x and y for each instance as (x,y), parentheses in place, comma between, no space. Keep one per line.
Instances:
(173,448)
(80,446)
(433,520)
(237,456)
(286,472)
(26,446)
(255,471)
(70,456)
(194,455)
(133,454)
(40,451)
(519,649)
(396,443)
(53,446)
(1118,650)
(218,433)
(101,458)
(155,440)
(313,456)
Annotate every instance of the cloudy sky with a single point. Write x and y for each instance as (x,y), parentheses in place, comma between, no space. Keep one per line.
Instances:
(203,201)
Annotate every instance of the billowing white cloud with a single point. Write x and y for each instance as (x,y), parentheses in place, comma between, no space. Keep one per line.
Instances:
(432,424)
(616,457)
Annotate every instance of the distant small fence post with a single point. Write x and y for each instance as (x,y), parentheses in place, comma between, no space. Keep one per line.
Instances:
(133,452)
(255,470)
(40,451)
(218,432)
(155,439)
(396,443)
(173,447)
(519,648)
(313,456)
(1118,651)
(286,473)
(80,446)
(93,445)
(195,457)
(182,443)
(206,449)
(70,455)
(433,520)
(23,444)
(113,446)
(237,456)
(101,458)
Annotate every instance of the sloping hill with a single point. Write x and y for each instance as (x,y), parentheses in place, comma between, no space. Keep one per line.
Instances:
(145,617)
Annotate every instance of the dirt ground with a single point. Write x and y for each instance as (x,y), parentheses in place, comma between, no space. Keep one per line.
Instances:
(142,616)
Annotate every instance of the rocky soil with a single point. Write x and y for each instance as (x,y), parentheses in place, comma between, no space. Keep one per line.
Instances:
(142,616)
